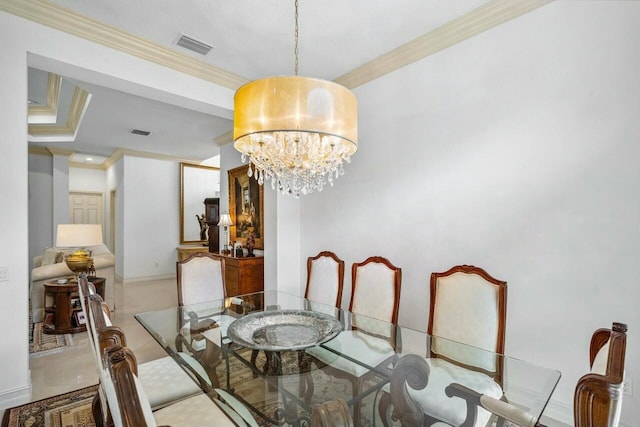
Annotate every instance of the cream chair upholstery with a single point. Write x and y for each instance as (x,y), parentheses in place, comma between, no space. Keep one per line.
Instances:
(598,395)
(325,279)
(375,300)
(130,406)
(163,378)
(467,306)
(201,278)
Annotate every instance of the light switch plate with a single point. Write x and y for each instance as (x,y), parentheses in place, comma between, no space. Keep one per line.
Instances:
(4,273)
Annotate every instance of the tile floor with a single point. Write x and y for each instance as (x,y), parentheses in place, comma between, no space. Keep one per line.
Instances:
(74,367)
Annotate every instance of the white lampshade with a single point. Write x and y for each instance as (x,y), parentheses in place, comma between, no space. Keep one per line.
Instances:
(225,220)
(78,235)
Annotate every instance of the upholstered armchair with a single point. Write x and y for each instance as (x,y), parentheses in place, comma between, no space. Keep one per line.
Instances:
(467,306)
(598,396)
(130,407)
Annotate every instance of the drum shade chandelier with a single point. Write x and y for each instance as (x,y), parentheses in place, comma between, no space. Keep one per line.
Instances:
(296,131)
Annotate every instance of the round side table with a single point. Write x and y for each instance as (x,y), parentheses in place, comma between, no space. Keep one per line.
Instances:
(63,311)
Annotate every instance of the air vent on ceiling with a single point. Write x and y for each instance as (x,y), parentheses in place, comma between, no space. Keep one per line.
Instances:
(192,44)
(140,132)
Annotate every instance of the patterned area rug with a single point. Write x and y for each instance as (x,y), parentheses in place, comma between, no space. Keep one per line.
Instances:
(42,343)
(66,410)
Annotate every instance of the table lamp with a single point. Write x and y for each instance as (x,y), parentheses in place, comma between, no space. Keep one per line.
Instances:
(225,221)
(78,236)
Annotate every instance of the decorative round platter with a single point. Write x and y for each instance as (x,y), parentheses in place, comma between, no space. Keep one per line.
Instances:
(281,330)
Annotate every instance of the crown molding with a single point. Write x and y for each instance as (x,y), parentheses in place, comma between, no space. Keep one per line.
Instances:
(37,150)
(60,18)
(483,18)
(60,151)
(54,82)
(43,132)
(117,155)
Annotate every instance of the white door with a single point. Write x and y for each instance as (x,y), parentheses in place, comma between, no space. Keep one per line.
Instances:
(86,208)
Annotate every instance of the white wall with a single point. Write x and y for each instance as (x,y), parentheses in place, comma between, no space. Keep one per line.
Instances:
(151,217)
(86,61)
(40,203)
(14,252)
(89,180)
(516,151)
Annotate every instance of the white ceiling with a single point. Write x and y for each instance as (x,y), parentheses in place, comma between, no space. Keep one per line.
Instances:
(252,39)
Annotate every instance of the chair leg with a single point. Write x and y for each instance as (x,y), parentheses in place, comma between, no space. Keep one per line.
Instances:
(385,409)
(96,410)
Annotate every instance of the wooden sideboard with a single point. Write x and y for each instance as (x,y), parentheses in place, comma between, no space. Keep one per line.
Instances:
(243,275)
(185,250)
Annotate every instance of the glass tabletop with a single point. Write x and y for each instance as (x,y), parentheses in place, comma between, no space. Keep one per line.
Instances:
(281,355)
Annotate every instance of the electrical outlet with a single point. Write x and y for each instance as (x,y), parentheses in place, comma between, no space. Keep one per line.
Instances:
(627,387)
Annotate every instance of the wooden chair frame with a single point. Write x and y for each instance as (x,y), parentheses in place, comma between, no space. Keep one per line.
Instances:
(401,402)
(594,392)
(340,262)
(356,383)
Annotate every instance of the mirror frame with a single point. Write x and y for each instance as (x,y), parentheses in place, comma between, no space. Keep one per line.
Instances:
(183,185)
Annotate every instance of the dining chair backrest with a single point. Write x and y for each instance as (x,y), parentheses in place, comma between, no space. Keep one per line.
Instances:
(200,278)
(127,400)
(325,278)
(375,293)
(468,306)
(598,396)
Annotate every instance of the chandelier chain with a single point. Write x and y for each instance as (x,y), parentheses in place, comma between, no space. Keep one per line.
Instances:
(295,34)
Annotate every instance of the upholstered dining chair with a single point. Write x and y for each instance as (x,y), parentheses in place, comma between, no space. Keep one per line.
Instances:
(325,279)
(163,379)
(374,305)
(469,306)
(597,400)
(130,407)
(200,278)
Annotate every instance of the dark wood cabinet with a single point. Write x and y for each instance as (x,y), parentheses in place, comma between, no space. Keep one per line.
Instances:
(243,275)
(212,217)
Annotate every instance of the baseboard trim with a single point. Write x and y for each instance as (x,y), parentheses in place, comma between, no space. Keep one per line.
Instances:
(558,414)
(132,280)
(15,397)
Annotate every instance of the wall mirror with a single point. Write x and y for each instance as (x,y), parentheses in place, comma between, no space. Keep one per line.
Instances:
(196,184)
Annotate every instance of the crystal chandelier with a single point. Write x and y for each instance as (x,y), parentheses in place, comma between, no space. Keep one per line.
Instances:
(295,131)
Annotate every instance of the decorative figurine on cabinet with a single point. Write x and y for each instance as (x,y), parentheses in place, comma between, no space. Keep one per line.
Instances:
(251,243)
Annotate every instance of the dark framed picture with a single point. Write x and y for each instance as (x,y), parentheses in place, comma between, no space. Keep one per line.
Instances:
(246,207)
(79,318)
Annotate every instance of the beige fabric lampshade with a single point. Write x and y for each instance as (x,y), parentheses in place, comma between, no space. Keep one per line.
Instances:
(78,235)
(225,220)
(293,103)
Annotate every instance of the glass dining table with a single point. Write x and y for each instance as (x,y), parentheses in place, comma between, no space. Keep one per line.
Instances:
(292,361)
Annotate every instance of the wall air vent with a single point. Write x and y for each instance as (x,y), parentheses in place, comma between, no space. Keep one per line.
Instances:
(192,44)
(140,132)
